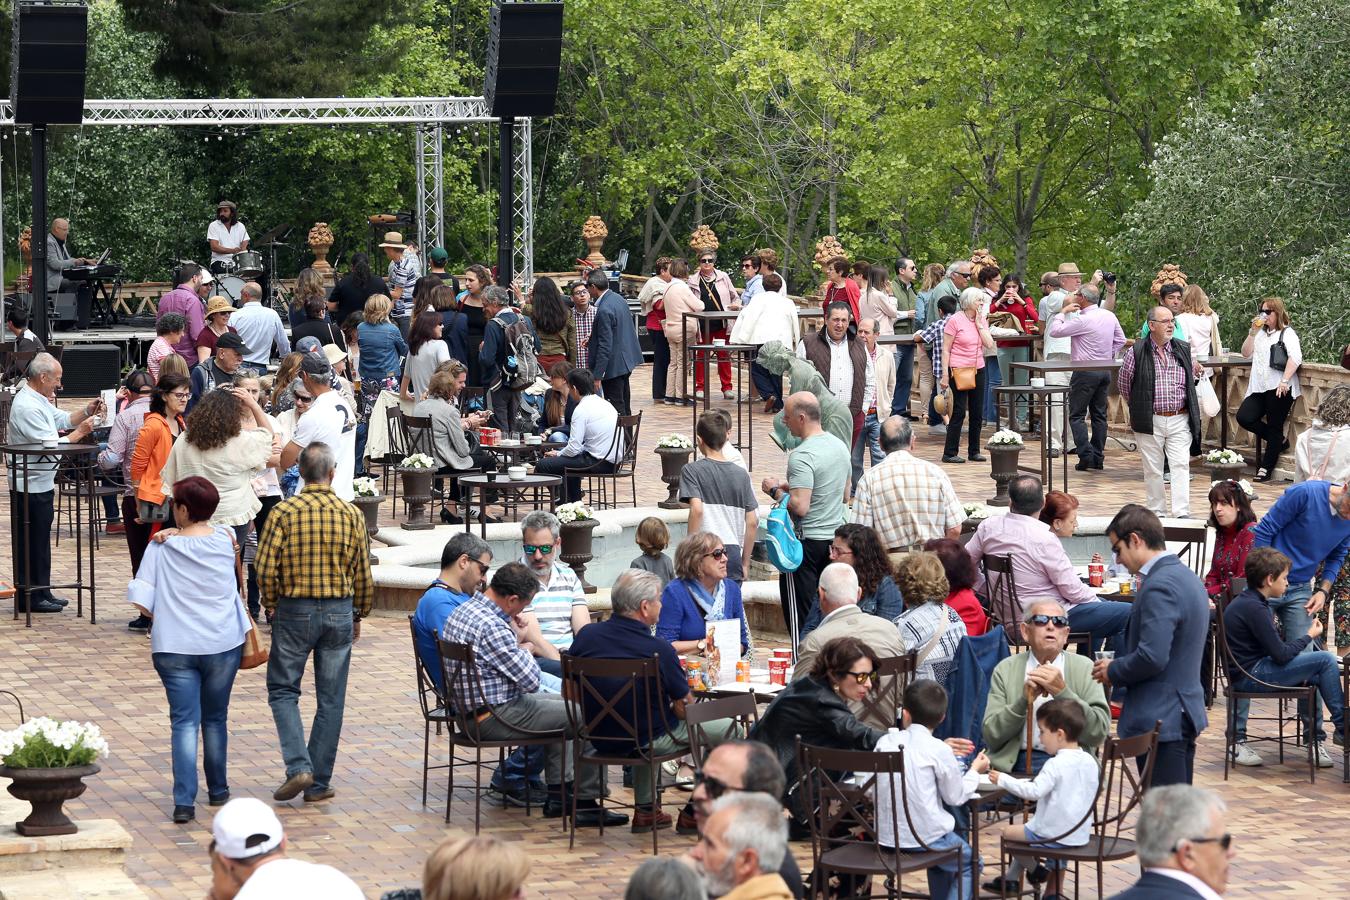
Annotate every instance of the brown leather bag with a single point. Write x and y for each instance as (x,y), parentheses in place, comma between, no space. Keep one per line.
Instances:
(963,377)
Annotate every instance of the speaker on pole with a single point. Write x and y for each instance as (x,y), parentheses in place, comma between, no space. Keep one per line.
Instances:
(523,57)
(50,55)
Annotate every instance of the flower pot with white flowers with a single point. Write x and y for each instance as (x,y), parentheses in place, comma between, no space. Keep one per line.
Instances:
(675,451)
(578,521)
(417,471)
(1004,448)
(975,514)
(47,762)
(1225,465)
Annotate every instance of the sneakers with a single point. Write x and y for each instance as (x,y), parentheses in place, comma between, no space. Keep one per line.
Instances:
(520,795)
(730,395)
(1246,756)
(937,429)
(115,528)
(320,795)
(1321,755)
(140,625)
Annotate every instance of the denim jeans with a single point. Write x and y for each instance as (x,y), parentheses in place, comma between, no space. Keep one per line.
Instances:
(870,437)
(993,377)
(769,385)
(301,627)
(904,380)
(1294,622)
(1317,667)
(198,688)
(1104,620)
(943,879)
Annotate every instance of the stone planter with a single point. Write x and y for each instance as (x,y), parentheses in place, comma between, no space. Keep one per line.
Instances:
(1227,472)
(673,461)
(1002,468)
(417,492)
(47,790)
(370,508)
(576,548)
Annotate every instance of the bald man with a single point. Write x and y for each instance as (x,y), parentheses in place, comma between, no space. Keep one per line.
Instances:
(58,260)
(260,327)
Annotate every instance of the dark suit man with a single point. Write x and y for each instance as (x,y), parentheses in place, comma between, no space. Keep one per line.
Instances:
(614,348)
(1183,847)
(1159,667)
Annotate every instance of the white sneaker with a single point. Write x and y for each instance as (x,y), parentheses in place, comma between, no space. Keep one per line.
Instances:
(730,395)
(1246,756)
(1322,756)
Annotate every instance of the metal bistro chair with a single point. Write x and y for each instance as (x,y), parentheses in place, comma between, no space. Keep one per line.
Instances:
(72,490)
(1303,694)
(847,816)
(1195,552)
(1005,607)
(626,431)
(433,712)
(1345,691)
(1119,790)
(893,675)
(608,698)
(469,709)
(393,456)
(741,707)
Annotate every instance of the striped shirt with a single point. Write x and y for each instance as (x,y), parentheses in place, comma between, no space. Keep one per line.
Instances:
(505,669)
(554,603)
(314,546)
(402,274)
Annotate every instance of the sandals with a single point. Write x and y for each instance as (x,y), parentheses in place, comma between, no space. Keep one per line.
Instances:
(1263,474)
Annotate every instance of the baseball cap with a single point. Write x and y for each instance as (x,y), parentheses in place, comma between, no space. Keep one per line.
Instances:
(246,827)
(207,277)
(316,364)
(231,341)
(309,344)
(439,256)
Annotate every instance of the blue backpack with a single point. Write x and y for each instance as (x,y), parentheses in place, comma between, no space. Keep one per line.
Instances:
(781,542)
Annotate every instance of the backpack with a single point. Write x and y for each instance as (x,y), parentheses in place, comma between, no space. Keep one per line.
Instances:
(521,367)
(781,541)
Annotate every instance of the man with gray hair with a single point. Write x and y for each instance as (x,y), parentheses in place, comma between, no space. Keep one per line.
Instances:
(559,611)
(328,420)
(627,634)
(314,561)
(504,327)
(1095,336)
(842,617)
(34,418)
(906,500)
(614,348)
(259,327)
(1183,847)
(742,847)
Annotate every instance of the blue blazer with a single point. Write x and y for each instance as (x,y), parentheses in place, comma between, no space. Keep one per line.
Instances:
(614,347)
(1164,641)
(1152,886)
(681,619)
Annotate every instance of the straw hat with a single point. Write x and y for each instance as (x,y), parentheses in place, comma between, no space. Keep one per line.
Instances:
(218,304)
(943,403)
(1068,268)
(334,354)
(394,239)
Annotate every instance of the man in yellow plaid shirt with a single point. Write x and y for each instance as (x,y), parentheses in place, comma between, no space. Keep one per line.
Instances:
(313,567)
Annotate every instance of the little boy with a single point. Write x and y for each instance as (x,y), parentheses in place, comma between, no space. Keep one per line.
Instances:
(933,777)
(720,496)
(1065,791)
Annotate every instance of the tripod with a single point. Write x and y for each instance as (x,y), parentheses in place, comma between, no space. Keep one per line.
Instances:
(277,298)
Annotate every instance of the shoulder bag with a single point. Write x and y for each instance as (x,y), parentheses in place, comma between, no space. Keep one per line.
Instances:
(1279,354)
(964,377)
(255,651)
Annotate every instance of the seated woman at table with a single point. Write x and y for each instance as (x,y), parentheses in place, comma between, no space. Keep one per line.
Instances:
(454,439)
(816,709)
(858,546)
(928,625)
(701,593)
(558,403)
(1060,512)
(960,569)
(1234,523)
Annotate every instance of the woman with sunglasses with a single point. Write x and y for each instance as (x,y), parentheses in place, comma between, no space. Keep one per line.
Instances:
(1273,386)
(928,625)
(715,293)
(816,709)
(701,593)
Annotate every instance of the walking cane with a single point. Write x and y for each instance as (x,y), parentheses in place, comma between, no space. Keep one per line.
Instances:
(1032,693)
(792,613)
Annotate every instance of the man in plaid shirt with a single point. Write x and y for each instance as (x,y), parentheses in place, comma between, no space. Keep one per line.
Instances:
(906,500)
(931,336)
(313,568)
(510,706)
(583,316)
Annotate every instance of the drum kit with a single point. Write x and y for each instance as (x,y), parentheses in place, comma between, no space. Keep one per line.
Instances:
(237,271)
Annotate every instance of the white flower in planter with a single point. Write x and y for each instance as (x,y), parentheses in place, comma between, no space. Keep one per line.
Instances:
(573,512)
(676,441)
(976,510)
(42,743)
(1224,457)
(1004,439)
(418,461)
(365,487)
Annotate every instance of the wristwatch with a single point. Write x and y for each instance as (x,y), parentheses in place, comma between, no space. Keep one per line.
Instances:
(702,646)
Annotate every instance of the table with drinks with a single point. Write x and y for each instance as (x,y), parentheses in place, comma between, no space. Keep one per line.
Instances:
(764,684)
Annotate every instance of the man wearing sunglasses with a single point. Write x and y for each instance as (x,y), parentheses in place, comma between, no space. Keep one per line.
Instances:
(559,610)
(1183,846)
(1164,642)
(1024,682)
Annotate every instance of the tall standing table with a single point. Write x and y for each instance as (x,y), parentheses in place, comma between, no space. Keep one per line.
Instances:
(1038,368)
(707,321)
(1043,397)
(741,355)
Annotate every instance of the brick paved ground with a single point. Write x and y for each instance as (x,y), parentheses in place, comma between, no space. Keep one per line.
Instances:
(376,828)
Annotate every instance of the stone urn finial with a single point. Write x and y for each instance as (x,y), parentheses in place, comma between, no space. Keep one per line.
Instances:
(827,248)
(320,241)
(703,239)
(1168,274)
(594,232)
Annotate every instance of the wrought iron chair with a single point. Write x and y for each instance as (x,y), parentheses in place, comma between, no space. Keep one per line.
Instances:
(741,707)
(1005,607)
(626,433)
(433,713)
(893,676)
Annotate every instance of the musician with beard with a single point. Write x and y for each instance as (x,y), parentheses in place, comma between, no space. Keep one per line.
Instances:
(226,235)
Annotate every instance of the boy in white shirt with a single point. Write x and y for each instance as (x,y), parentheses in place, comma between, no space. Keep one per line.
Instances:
(933,777)
(1065,791)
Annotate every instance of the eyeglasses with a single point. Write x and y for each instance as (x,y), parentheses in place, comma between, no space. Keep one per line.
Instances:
(713,787)
(532,549)
(864,677)
(181,395)
(1119,542)
(482,566)
(840,551)
(747,265)
(708,260)
(1267,312)
(1162,322)
(1224,841)
(719,553)
(1042,619)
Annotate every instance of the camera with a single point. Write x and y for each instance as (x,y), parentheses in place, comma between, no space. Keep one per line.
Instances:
(1109,277)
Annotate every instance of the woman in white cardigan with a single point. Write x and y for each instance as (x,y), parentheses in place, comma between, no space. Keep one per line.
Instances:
(772,317)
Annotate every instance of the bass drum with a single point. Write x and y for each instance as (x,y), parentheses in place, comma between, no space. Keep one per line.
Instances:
(248,264)
(230,286)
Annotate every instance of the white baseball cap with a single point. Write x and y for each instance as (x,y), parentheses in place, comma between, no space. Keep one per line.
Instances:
(246,827)
(207,277)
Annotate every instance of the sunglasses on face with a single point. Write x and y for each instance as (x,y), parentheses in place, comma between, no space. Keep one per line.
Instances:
(712,786)
(1043,619)
(532,549)
(747,265)
(482,566)
(719,553)
(707,261)
(1224,841)
(302,398)
(863,677)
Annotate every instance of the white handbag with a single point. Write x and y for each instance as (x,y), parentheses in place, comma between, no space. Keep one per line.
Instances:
(1209,401)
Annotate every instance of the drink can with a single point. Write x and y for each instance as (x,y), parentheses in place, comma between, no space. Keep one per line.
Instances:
(782,653)
(694,674)
(778,670)
(742,670)
(1096,574)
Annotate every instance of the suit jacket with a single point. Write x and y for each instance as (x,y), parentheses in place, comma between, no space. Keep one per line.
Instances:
(878,633)
(1152,886)
(58,260)
(614,342)
(1164,641)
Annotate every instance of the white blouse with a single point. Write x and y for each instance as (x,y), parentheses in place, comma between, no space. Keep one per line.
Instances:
(1201,333)
(1263,377)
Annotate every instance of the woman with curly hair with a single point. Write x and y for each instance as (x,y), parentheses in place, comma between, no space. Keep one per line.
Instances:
(229,442)
(859,546)
(928,625)
(308,286)
(282,398)
(701,593)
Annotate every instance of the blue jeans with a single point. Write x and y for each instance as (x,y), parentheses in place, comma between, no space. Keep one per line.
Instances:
(1104,620)
(870,436)
(198,688)
(1318,667)
(1038,759)
(1294,622)
(301,627)
(993,377)
(1006,357)
(768,384)
(904,379)
(942,879)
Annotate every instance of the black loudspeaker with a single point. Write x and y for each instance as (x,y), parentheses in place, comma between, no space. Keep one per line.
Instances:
(524,54)
(50,54)
(90,368)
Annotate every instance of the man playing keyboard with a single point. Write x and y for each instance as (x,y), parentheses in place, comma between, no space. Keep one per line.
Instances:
(58,260)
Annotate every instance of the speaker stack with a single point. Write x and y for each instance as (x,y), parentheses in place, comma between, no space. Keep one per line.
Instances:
(90,368)
(50,54)
(523,57)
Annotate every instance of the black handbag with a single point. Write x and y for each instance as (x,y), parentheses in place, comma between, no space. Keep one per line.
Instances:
(1279,355)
